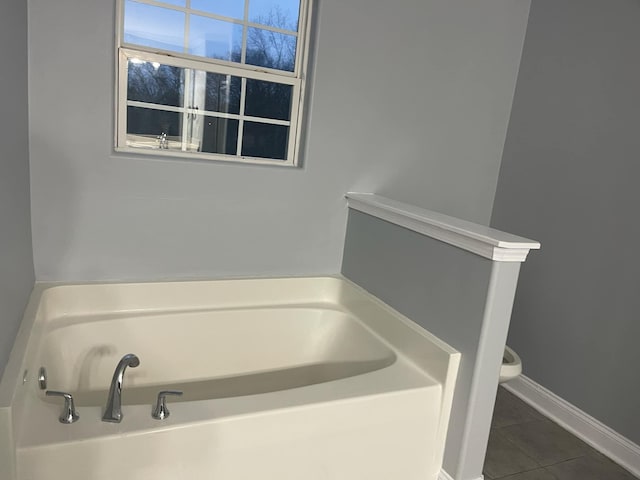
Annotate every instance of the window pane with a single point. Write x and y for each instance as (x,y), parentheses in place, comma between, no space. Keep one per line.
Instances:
(275,13)
(264,140)
(222,93)
(268,100)
(179,3)
(153,26)
(215,135)
(151,128)
(228,8)
(215,38)
(271,49)
(152,82)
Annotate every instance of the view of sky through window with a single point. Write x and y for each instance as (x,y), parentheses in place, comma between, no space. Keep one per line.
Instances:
(227,8)
(263,9)
(164,27)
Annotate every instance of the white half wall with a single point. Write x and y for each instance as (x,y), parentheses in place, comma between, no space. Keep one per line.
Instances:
(410,99)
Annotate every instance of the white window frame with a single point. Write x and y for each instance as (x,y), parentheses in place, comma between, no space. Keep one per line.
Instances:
(297,79)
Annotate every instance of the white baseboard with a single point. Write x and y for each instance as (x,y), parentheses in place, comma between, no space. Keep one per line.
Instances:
(445,476)
(607,441)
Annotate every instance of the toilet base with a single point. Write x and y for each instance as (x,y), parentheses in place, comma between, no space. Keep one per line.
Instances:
(511,365)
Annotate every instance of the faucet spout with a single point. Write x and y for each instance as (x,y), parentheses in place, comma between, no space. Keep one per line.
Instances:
(113,410)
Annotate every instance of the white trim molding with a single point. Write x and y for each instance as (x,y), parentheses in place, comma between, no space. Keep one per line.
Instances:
(601,437)
(445,476)
(479,239)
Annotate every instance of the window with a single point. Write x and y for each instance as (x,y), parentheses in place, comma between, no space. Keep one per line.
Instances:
(212,79)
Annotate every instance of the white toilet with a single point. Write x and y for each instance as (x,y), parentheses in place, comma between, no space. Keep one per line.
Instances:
(511,365)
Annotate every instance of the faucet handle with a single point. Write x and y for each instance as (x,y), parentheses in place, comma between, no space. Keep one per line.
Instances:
(69,414)
(160,412)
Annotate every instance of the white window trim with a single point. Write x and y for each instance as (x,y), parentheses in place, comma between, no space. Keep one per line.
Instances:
(296,79)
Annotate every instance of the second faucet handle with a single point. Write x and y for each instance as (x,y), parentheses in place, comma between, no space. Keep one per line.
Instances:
(69,414)
(160,412)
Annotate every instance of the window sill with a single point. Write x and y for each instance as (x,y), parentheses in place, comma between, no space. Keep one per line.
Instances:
(204,157)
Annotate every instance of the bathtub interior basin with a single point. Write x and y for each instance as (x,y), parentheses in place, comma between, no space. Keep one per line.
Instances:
(209,354)
(305,377)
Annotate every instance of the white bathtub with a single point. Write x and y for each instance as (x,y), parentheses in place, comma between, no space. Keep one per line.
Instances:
(287,379)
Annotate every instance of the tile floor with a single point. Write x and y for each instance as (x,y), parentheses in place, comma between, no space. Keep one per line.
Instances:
(524,445)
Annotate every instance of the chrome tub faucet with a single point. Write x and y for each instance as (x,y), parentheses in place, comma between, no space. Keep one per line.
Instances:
(113,410)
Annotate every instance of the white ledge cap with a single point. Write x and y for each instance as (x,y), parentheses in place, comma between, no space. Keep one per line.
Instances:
(479,239)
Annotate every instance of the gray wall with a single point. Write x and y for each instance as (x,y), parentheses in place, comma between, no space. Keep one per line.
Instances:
(569,178)
(16,258)
(460,297)
(410,100)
